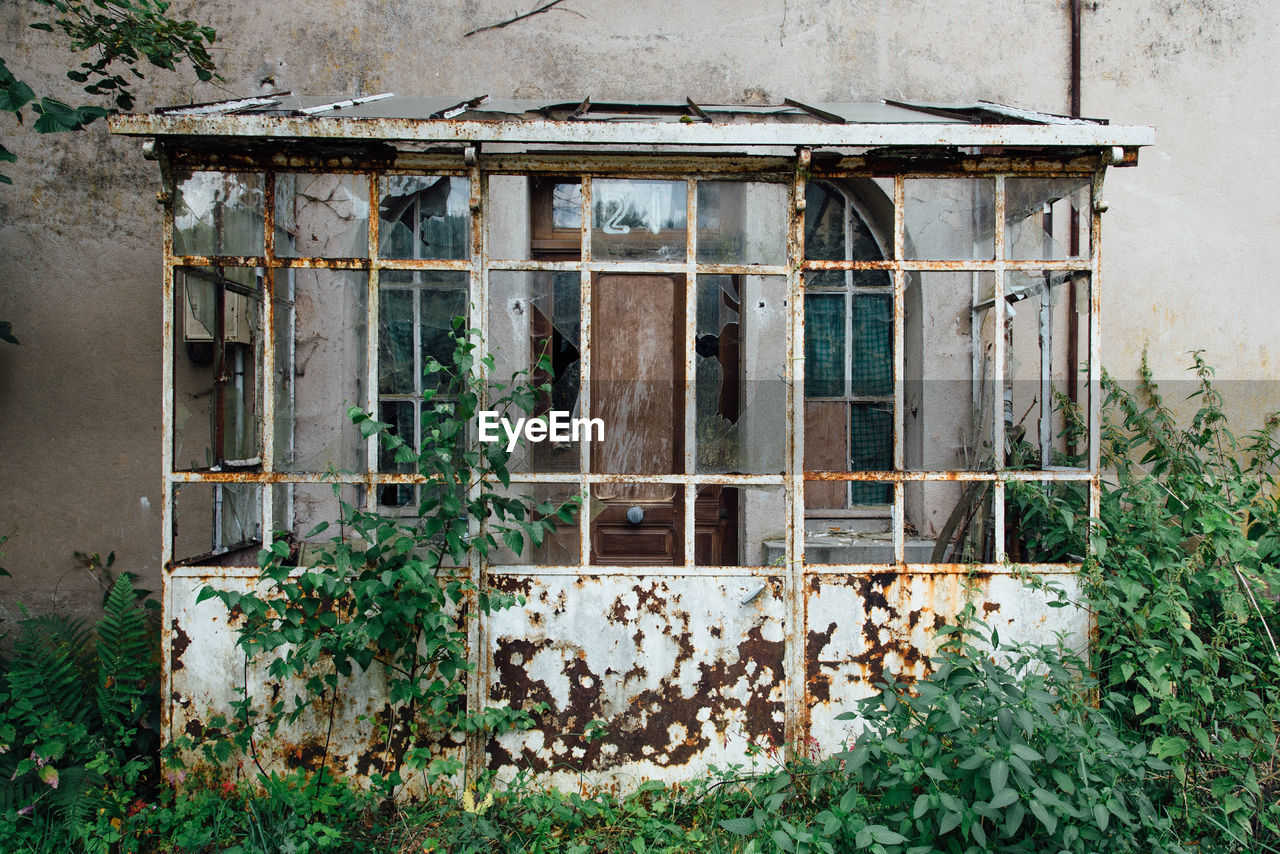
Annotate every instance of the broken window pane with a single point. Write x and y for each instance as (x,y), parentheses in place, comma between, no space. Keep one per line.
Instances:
(531,315)
(558,547)
(1046,522)
(742,223)
(860,535)
(1046,372)
(950,522)
(638,220)
(740,374)
(217,380)
(217,524)
(424,216)
(1047,219)
(316,504)
(321,352)
(218,213)
(637,523)
(949,341)
(949,219)
(740,525)
(322,216)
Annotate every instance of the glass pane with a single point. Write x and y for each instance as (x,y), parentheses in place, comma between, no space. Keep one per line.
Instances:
(217,381)
(217,524)
(952,522)
(559,547)
(870,447)
(949,338)
(825,220)
(397,367)
(872,345)
(566,206)
(742,223)
(638,220)
(532,314)
(424,216)
(637,524)
(219,213)
(321,349)
(949,218)
(740,526)
(824,345)
(837,229)
(1046,372)
(508,217)
(740,373)
(1047,219)
(402,415)
(322,216)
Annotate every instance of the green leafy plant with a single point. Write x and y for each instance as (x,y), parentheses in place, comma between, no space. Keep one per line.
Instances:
(1184,592)
(78,726)
(392,593)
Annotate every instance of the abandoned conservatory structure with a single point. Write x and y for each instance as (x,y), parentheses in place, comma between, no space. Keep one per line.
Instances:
(843,356)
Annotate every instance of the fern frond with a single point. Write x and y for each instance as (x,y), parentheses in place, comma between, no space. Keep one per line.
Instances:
(124,658)
(46,671)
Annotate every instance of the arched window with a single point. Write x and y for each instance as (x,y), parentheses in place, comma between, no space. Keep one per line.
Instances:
(848,385)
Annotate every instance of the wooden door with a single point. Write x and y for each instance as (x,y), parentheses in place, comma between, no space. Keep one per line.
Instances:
(637,388)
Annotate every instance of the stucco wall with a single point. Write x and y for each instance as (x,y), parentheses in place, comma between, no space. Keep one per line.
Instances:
(1188,250)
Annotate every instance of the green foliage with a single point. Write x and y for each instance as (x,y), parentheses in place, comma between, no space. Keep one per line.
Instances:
(392,594)
(72,757)
(1184,592)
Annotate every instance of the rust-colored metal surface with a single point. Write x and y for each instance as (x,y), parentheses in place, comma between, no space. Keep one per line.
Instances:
(646,671)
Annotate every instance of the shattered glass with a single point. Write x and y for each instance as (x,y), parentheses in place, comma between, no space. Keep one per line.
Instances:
(322,216)
(741,363)
(219,213)
(424,216)
(1047,219)
(531,315)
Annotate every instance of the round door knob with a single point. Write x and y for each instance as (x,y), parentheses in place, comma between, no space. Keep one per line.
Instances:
(635,515)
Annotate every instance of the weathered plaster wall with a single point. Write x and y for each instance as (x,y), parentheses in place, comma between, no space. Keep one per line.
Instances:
(1188,256)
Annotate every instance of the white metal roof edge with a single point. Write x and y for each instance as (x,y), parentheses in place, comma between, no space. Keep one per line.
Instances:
(635,132)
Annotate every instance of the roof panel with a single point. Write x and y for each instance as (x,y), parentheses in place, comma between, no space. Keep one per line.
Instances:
(477,118)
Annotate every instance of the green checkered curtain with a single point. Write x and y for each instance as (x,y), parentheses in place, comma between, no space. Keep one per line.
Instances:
(824,345)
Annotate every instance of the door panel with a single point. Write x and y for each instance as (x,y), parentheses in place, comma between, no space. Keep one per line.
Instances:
(637,370)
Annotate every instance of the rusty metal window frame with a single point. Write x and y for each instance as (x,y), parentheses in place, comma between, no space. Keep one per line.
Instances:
(478,265)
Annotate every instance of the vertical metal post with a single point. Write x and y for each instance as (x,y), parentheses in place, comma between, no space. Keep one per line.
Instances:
(796,716)
(1095,345)
(167,510)
(1001,309)
(899,517)
(584,373)
(689,368)
(372,331)
(477,631)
